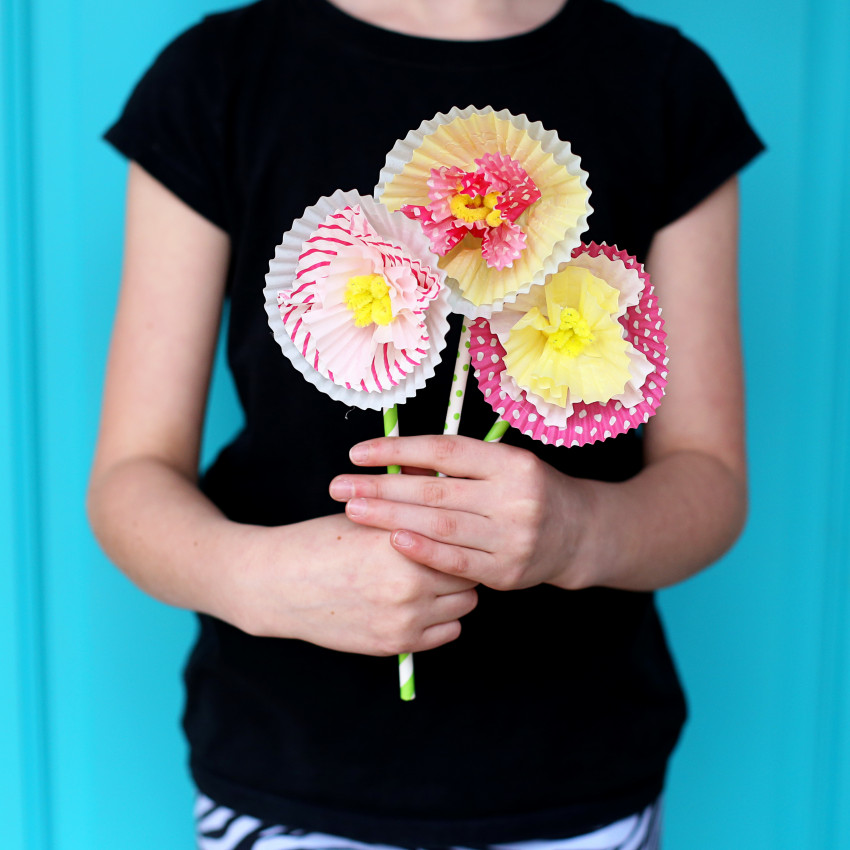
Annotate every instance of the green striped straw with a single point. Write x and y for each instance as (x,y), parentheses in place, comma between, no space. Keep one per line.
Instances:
(405,677)
(497,431)
(407,687)
(391,430)
(458,383)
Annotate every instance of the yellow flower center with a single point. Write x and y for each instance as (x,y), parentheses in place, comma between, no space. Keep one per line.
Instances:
(368,297)
(479,208)
(573,334)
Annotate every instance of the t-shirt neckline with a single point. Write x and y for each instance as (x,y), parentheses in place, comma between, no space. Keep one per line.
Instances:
(376,40)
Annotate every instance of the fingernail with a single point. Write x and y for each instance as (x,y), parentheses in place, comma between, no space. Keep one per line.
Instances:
(402,539)
(356,507)
(358,453)
(342,489)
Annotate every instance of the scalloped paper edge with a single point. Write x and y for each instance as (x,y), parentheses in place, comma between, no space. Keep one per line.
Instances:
(281,275)
(589,422)
(402,153)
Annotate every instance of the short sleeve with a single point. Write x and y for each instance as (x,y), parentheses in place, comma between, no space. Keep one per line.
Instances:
(708,138)
(173,126)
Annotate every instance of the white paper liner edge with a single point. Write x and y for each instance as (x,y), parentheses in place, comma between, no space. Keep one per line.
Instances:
(561,151)
(281,275)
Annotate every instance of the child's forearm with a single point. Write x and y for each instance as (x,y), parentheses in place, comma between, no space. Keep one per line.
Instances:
(166,536)
(676,517)
(325,580)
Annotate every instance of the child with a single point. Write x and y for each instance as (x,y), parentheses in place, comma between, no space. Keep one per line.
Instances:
(552,713)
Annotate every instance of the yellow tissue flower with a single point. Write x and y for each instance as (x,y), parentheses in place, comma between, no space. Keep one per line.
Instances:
(576,352)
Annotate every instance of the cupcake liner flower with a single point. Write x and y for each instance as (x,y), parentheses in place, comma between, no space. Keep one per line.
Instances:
(580,359)
(484,203)
(502,200)
(357,301)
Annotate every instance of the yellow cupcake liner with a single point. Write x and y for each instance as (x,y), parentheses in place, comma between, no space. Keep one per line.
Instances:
(553,225)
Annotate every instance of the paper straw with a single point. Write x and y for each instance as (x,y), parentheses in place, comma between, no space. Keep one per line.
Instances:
(497,431)
(458,383)
(405,676)
(407,689)
(391,430)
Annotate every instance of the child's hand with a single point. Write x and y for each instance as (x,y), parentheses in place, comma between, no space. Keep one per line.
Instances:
(344,587)
(502,518)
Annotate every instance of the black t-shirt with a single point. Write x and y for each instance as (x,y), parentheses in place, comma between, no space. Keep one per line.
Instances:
(555,711)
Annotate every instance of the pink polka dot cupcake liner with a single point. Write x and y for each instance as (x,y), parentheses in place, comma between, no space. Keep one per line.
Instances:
(642,326)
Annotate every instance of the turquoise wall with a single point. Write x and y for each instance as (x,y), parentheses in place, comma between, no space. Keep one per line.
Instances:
(89,667)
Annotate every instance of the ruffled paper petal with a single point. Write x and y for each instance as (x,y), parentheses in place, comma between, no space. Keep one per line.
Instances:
(581,423)
(537,368)
(340,237)
(553,414)
(442,234)
(552,224)
(500,246)
(512,181)
(342,247)
(596,369)
(442,184)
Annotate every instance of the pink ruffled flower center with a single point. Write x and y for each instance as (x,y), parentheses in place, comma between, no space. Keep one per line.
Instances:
(483,204)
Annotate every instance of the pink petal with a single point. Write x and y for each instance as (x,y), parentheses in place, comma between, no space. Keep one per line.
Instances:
(511,180)
(475,183)
(442,184)
(444,235)
(417,212)
(501,245)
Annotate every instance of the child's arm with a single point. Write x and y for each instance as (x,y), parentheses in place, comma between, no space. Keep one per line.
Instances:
(508,520)
(328,580)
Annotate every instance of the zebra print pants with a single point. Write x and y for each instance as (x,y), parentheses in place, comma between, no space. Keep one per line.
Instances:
(220,828)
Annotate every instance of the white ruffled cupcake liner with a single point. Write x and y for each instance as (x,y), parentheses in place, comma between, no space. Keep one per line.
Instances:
(395,228)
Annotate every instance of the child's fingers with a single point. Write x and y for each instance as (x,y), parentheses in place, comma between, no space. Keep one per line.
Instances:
(454,605)
(472,564)
(443,618)
(461,457)
(455,527)
(438,635)
(449,493)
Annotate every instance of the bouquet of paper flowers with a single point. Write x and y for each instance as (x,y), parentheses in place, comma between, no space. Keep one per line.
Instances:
(479,212)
